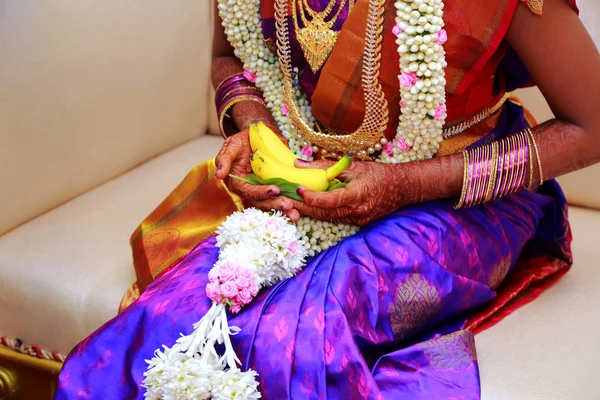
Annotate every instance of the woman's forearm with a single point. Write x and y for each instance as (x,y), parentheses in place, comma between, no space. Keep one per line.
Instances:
(563,148)
(437,178)
(225,65)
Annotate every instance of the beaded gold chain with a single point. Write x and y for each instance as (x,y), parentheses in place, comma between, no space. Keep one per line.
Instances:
(369,136)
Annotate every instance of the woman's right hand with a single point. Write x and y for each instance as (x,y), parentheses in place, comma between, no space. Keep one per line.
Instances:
(234,159)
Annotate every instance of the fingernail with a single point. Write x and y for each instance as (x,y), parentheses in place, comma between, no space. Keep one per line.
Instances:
(300,191)
(219,167)
(272,192)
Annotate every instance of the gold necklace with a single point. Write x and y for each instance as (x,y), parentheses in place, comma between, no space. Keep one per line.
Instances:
(369,136)
(316,38)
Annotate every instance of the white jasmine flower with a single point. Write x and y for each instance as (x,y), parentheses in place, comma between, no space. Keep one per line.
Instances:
(234,384)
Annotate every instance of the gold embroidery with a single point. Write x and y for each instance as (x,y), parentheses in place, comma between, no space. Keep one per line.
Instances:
(453,352)
(415,303)
(499,272)
(536,6)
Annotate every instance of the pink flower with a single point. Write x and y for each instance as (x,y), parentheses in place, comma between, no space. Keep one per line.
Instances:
(213,291)
(442,37)
(246,274)
(242,283)
(402,145)
(293,247)
(229,289)
(440,112)
(235,308)
(227,272)
(389,148)
(245,296)
(284,109)
(253,289)
(402,104)
(307,151)
(396,30)
(250,76)
(408,79)
(213,275)
(272,226)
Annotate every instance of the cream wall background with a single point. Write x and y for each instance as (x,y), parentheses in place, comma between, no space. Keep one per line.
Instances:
(89,89)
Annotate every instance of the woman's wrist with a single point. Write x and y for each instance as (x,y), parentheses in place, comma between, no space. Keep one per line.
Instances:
(434,179)
(238,100)
(246,112)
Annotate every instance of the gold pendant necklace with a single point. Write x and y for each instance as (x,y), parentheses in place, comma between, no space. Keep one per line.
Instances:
(369,136)
(316,38)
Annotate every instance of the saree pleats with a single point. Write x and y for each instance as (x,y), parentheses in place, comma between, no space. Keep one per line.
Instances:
(382,315)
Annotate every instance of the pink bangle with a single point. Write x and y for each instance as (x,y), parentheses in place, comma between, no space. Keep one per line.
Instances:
(229,81)
(495,170)
(500,170)
(234,89)
(474,171)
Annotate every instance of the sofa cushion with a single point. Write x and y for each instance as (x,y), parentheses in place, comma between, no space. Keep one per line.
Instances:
(63,274)
(89,90)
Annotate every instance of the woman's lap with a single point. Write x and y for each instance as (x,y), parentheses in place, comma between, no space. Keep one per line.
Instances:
(360,321)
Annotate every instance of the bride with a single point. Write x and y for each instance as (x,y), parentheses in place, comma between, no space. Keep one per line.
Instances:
(451,212)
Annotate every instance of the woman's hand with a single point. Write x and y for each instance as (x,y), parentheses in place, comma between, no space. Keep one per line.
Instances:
(374,190)
(234,159)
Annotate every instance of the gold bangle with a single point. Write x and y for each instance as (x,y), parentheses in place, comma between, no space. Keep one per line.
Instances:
(494,173)
(230,104)
(530,150)
(537,155)
(463,193)
(501,167)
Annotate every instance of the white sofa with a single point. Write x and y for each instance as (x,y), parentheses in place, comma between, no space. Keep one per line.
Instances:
(104,108)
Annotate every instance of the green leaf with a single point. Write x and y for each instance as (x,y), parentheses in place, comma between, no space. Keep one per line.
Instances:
(336,184)
(286,188)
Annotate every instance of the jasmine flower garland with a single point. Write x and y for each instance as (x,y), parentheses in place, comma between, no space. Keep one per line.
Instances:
(256,250)
(420,36)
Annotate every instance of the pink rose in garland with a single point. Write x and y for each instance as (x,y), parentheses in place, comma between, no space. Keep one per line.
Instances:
(250,76)
(442,37)
(408,79)
(402,145)
(231,285)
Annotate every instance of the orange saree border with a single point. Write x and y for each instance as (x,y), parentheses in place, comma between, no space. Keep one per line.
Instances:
(190,214)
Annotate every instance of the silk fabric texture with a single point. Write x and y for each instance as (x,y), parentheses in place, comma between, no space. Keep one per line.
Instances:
(389,313)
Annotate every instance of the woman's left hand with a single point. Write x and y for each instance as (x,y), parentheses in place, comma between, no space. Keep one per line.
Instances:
(374,190)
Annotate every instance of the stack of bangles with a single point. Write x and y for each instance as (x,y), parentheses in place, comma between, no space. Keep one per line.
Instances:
(231,91)
(500,168)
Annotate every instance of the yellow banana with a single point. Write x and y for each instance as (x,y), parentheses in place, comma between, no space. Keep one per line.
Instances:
(266,167)
(264,139)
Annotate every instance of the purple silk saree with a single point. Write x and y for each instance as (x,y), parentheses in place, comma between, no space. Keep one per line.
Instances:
(379,316)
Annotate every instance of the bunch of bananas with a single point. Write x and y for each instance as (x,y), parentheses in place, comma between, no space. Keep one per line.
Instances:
(272,159)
